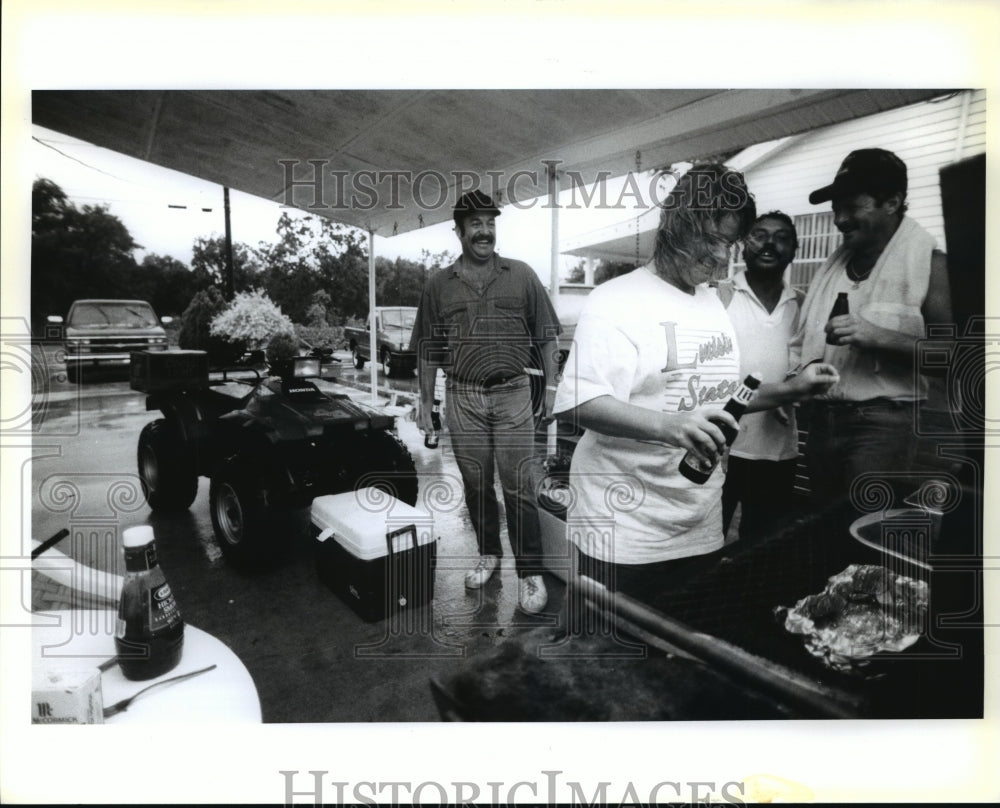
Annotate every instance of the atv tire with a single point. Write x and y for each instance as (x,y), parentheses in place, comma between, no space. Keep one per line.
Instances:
(168,479)
(389,467)
(241,518)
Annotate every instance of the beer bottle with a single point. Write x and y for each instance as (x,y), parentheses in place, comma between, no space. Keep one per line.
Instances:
(698,470)
(431,438)
(149,636)
(839,307)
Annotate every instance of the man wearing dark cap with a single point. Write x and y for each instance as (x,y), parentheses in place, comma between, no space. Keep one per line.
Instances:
(482,319)
(896,284)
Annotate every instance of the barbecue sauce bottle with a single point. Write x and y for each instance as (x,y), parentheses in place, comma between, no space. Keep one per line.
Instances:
(839,307)
(697,470)
(149,636)
(431,438)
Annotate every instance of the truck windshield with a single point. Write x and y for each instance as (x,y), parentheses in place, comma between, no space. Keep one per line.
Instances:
(399,318)
(112,314)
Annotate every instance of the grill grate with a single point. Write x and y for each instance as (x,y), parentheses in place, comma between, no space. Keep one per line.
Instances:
(735,600)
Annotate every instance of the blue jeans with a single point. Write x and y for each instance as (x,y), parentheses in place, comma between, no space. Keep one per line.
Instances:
(495,427)
(764,489)
(849,439)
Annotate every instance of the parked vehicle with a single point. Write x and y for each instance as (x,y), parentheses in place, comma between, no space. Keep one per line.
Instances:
(103,333)
(393,328)
(268,444)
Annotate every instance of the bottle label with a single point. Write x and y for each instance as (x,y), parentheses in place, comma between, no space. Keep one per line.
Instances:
(163,611)
(743,394)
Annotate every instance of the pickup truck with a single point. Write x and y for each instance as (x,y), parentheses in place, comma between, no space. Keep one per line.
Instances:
(393,327)
(103,333)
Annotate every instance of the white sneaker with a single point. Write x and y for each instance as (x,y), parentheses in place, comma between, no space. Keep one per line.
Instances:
(481,573)
(531,594)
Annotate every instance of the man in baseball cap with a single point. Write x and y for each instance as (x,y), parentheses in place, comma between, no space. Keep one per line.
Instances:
(896,283)
(876,171)
(485,319)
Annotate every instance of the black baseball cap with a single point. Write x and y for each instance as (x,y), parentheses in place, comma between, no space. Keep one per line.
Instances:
(474,202)
(872,171)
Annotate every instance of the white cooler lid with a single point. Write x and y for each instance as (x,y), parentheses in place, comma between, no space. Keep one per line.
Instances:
(359,521)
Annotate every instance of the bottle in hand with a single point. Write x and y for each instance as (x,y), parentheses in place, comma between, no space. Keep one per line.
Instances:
(149,636)
(698,470)
(431,438)
(839,307)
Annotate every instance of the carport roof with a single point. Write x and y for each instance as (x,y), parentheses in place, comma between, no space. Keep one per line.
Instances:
(259,142)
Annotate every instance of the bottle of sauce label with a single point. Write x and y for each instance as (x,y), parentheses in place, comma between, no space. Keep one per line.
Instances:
(149,634)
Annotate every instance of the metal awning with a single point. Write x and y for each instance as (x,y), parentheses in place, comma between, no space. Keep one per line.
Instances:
(379,155)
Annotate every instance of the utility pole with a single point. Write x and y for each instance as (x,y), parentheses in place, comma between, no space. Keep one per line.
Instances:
(230,285)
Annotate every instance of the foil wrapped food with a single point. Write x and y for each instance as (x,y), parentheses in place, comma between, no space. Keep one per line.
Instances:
(863,611)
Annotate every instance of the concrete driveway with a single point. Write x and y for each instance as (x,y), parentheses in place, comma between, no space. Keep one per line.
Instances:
(312,658)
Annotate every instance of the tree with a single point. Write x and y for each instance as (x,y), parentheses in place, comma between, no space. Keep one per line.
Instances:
(608,270)
(208,262)
(195,332)
(313,254)
(75,252)
(165,282)
(577,274)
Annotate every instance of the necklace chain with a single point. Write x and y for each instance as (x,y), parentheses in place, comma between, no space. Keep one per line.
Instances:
(856,277)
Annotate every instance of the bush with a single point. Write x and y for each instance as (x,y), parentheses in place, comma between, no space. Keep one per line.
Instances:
(320,336)
(281,349)
(252,319)
(195,328)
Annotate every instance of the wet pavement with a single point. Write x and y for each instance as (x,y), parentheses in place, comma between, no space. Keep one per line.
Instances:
(312,658)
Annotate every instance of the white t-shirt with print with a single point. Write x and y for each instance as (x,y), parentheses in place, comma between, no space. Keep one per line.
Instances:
(647,343)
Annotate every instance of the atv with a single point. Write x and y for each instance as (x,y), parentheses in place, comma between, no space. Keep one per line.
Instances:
(269,443)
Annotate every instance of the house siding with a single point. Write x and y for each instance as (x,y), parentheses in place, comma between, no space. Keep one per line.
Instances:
(926,136)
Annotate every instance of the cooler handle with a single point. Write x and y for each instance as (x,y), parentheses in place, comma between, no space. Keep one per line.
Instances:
(411,529)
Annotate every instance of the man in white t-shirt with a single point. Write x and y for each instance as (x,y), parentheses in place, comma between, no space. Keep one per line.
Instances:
(654,358)
(764,311)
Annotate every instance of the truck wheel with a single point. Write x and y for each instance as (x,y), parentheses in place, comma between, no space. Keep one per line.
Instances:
(390,467)
(388,368)
(357,358)
(168,478)
(240,517)
(73,374)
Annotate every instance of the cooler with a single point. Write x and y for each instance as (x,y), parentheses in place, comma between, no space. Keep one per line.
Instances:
(374,551)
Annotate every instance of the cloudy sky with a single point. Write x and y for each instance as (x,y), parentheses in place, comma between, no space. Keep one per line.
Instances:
(166,210)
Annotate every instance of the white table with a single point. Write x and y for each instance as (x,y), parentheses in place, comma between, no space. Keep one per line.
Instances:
(85,639)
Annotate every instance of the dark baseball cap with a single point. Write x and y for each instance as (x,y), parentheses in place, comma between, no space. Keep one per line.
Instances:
(872,171)
(474,202)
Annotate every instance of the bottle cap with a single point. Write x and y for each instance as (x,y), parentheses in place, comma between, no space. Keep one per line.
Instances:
(753,380)
(137,536)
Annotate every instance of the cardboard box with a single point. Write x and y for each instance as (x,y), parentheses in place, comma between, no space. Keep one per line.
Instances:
(377,553)
(63,694)
(156,371)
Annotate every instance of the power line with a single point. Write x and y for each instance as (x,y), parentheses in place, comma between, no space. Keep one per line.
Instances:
(76,160)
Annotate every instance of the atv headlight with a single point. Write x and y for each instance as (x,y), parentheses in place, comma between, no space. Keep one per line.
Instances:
(305,367)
